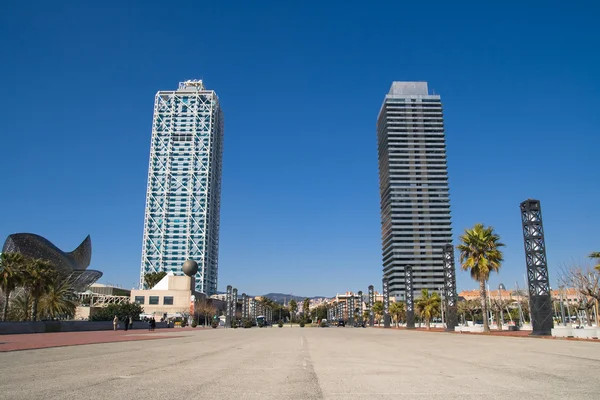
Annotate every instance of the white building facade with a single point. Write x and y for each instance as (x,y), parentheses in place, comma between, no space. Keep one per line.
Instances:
(413,181)
(184,184)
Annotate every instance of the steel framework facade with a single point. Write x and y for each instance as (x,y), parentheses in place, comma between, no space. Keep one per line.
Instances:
(351,310)
(410,300)
(228,301)
(386,303)
(184,184)
(234,301)
(102,300)
(360,306)
(537,268)
(370,305)
(450,295)
(244,306)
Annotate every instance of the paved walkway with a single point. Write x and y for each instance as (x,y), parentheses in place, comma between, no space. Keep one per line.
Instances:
(306,363)
(60,339)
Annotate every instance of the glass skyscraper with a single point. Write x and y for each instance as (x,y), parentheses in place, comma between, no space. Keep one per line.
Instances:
(184,184)
(413,182)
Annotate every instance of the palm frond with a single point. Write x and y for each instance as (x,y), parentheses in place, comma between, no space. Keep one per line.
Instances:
(59,300)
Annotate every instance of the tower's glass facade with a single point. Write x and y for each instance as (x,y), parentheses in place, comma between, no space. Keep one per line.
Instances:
(413,181)
(184,184)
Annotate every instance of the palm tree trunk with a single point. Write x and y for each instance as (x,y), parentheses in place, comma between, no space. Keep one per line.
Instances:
(34,309)
(5,307)
(484,307)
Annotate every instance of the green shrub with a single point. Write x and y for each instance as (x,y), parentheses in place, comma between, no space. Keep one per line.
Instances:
(214,323)
(194,324)
(323,324)
(108,313)
(302,324)
(247,324)
(234,324)
(280,323)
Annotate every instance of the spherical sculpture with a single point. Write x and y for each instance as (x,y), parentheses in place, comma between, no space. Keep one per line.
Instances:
(190,267)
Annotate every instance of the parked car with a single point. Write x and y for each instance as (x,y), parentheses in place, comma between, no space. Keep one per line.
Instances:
(341,323)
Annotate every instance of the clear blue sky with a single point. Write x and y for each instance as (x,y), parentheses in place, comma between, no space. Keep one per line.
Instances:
(301,86)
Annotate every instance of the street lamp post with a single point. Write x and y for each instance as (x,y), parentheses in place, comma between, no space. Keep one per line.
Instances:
(538,280)
(360,307)
(490,316)
(228,298)
(234,299)
(409,293)
(441,289)
(350,308)
(500,288)
(371,302)
(386,303)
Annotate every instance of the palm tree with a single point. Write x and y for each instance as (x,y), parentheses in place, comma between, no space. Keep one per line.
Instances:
(365,316)
(596,256)
(480,254)
(293,309)
(20,307)
(11,266)
(378,310)
(398,311)
(152,278)
(39,274)
(59,299)
(306,308)
(428,305)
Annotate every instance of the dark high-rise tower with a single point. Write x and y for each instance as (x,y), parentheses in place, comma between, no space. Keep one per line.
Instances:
(413,182)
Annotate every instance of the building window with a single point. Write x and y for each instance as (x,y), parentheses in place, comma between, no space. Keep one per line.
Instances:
(153,300)
(139,299)
(168,300)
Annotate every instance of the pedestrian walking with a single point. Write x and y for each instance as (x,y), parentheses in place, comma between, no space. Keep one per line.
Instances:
(153,324)
(115,323)
(130,322)
(149,324)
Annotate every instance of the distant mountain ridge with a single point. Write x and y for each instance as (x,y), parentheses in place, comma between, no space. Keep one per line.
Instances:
(281,297)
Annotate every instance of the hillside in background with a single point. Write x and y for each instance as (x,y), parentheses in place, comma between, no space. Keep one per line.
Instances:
(281,297)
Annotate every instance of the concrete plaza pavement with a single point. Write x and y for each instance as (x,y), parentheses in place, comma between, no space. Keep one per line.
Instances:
(307,363)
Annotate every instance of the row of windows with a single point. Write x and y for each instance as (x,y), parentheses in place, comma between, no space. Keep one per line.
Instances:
(154,300)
